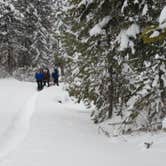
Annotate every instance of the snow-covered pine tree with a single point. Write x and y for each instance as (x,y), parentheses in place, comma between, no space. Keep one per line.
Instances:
(147,65)
(42,42)
(26,28)
(94,65)
(29,26)
(109,63)
(39,22)
(10,34)
(58,29)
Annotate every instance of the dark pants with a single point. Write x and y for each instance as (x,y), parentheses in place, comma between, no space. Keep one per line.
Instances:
(39,84)
(47,81)
(56,81)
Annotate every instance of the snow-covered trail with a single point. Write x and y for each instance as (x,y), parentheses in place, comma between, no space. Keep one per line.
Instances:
(18,128)
(62,134)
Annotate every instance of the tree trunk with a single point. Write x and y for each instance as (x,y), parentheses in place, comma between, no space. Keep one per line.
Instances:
(110,93)
(10,60)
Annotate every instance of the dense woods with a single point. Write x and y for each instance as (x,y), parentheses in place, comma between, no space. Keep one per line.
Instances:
(26,33)
(108,52)
(110,63)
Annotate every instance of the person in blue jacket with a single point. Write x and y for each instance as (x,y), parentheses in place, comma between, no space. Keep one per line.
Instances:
(55,76)
(39,79)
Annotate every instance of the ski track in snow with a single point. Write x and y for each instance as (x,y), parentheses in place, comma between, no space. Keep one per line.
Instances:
(18,129)
(61,129)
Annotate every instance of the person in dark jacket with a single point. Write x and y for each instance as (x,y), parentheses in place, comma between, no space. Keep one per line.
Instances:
(46,77)
(55,76)
(39,79)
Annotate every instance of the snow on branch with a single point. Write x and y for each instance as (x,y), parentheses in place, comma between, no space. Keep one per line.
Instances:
(12,8)
(124,37)
(162,18)
(85,2)
(97,29)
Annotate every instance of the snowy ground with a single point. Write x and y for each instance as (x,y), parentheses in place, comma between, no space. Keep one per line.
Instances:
(37,130)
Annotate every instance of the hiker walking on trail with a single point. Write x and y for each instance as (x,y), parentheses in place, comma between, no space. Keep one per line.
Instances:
(39,79)
(55,76)
(46,77)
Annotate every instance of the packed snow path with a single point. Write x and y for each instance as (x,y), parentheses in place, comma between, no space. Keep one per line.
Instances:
(61,133)
(18,128)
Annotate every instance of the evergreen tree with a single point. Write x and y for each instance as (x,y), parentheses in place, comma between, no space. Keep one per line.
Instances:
(26,31)
(109,62)
(94,65)
(10,34)
(38,18)
(59,27)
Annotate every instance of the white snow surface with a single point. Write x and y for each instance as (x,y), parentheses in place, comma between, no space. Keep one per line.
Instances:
(18,128)
(47,128)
